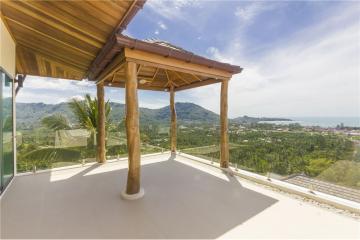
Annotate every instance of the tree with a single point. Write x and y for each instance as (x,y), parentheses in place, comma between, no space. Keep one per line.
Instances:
(86,112)
(56,122)
(317,166)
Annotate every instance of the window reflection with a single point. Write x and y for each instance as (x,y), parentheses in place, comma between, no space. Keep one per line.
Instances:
(6,132)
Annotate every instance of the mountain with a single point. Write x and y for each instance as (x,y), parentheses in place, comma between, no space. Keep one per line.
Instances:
(29,115)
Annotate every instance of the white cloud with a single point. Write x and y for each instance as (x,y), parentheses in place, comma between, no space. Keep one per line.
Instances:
(316,73)
(250,11)
(52,90)
(170,9)
(162,25)
(157,32)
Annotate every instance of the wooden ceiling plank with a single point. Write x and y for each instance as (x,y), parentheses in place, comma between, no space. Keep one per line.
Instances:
(112,10)
(44,28)
(51,46)
(72,14)
(93,11)
(53,24)
(53,57)
(50,37)
(51,10)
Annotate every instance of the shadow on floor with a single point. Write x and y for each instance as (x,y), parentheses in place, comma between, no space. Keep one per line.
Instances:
(180,202)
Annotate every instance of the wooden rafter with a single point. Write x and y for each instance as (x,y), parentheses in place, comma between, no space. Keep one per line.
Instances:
(181,78)
(153,77)
(138,70)
(170,82)
(196,77)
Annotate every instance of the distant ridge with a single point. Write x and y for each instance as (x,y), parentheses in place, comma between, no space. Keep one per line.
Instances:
(29,115)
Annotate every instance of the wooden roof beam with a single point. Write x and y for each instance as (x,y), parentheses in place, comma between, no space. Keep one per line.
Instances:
(140,86)
(199,84)
(154,60)
(116,64)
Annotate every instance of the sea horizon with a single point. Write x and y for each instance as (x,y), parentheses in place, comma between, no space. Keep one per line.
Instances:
(322,121)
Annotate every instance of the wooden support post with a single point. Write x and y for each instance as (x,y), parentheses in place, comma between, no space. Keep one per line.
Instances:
(132,128)
(224,139)
(173,120)
(101,150)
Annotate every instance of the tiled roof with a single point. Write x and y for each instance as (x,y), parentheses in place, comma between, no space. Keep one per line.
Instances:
(325,187)
(165,44)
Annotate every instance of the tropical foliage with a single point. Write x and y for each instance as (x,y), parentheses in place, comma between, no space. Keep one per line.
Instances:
(86,112)
(56,122)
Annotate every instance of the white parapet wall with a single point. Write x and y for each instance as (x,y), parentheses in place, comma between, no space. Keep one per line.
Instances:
(287,187)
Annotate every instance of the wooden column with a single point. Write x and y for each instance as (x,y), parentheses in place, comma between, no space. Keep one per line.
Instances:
(173,129)
(132,128)
(101,150)
(224,139)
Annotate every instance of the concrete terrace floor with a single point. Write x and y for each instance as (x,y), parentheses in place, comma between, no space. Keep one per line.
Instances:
(183,199)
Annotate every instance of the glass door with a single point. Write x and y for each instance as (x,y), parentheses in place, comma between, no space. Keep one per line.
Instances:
(6,130)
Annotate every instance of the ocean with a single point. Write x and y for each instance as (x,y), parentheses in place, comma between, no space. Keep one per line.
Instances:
(322,121)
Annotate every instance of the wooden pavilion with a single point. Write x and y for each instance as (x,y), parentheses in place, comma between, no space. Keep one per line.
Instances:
(83,39)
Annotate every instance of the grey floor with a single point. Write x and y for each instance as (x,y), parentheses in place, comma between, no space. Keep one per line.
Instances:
(180,202)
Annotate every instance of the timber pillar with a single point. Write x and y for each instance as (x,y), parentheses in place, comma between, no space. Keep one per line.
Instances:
(173,129)
(101,149)
(224,139)
(133,189)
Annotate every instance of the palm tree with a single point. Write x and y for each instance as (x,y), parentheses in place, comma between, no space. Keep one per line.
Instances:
(86,112)
(56,122)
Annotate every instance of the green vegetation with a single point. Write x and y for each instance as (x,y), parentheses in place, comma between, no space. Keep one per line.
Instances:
(60,140)
(346,173)
(263,148)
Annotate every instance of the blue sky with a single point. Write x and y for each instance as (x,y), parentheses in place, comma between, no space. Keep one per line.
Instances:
(299,58)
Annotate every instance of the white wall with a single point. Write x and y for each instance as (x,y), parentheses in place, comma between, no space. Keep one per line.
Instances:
(7,50)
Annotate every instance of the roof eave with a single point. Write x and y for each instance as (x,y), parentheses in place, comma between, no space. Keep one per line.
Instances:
(123,41)
(107,50)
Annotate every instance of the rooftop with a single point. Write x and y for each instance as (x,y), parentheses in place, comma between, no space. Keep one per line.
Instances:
(329,188)
(184,199)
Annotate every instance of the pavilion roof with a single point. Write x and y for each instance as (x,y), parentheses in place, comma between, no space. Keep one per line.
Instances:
(161,64)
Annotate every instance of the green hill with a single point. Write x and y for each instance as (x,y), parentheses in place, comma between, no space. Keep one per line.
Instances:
(29,115)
